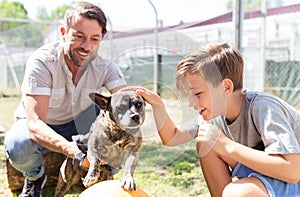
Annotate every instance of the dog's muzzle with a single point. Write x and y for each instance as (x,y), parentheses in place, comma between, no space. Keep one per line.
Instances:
(135,117)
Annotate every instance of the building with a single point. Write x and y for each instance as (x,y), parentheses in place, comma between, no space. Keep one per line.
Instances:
(134,50)
(279,31)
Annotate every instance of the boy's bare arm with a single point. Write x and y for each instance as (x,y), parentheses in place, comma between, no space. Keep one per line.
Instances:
(167,130)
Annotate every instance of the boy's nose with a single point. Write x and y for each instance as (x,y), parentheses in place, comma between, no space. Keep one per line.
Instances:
(192,102)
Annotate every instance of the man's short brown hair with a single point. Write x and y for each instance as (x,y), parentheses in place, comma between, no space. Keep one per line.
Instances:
(87,10)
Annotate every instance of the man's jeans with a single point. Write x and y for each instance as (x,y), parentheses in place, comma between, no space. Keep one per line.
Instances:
(26,155)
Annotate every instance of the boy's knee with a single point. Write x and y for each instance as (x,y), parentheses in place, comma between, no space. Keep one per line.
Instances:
(240,189)
(232,190)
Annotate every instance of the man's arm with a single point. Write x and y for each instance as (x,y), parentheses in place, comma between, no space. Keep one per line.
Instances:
(117,88)
(36,108)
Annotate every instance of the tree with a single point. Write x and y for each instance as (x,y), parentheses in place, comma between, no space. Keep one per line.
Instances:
(42,13)
(59,12)
(11,9)
(15,31)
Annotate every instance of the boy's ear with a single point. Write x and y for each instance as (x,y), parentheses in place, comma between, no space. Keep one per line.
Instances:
(102,101)
(228,86)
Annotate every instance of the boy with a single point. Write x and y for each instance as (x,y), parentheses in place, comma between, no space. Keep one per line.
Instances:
(253,136)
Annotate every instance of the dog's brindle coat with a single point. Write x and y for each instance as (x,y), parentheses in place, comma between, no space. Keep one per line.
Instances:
(114,138)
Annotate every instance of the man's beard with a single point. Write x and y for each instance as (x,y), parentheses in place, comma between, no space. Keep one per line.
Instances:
(79,61)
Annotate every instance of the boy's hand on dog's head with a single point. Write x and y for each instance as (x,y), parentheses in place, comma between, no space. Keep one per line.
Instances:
(150,97)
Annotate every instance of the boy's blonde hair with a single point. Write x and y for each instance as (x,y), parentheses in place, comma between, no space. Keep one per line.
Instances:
(215,62)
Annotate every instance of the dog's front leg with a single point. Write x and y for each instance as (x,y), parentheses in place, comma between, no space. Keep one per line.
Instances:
(130,164)
(93,172)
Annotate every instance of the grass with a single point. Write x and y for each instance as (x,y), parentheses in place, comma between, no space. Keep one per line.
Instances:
(161,171)
(9,100)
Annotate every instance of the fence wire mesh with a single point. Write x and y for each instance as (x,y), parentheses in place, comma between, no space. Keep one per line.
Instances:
(134,54)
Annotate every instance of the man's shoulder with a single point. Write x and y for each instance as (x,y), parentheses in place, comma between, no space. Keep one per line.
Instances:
(48,52)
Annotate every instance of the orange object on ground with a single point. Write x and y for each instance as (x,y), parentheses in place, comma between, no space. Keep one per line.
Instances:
(111,188)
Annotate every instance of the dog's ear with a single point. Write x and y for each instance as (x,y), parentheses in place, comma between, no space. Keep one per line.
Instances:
(144,101)
(102,101)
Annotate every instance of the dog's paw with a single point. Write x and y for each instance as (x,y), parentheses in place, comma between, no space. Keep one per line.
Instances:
(89,181)
(128,183)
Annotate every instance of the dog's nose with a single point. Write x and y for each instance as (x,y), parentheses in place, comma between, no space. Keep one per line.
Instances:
(135,117)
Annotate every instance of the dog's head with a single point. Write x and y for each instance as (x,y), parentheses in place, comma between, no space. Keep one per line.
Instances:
(126,108)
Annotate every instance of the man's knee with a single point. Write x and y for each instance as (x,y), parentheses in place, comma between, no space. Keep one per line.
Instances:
(17,142)
(19,150)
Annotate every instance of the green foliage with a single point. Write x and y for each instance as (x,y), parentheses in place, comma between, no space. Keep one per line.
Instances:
(181,167)
(11,9)
(18,33)
(169,171)
(29,34)
(9,100)
(42,13)
(59,12)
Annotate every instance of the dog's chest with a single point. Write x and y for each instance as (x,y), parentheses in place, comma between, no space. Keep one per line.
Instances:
(112,144)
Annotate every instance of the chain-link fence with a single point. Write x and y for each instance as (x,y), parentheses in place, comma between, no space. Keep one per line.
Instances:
(18,39)
(134,52)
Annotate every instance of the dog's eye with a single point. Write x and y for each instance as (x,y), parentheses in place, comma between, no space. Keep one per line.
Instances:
(139,104)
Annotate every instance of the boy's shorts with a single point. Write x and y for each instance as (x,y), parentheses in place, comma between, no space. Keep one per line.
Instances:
(275,187)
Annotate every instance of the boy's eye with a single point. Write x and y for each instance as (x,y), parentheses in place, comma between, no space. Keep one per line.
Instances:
(197,93)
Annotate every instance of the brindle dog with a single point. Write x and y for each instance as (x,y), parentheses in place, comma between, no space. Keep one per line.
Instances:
(114,138)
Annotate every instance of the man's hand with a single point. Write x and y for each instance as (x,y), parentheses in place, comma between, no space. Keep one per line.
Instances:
(79,158)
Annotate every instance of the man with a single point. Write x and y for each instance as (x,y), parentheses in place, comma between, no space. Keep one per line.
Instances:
(55,103)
